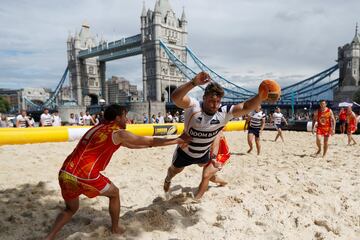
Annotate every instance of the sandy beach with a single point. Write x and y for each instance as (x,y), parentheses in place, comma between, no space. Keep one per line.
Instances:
(283,194)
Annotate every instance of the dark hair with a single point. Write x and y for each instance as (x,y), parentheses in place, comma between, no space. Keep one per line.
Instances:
(214,89)
(322,100)
(114,110)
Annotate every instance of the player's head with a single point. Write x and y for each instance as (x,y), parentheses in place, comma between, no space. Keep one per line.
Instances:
(258,108)
(322,104)
(212,98)
(277,109)
(117,113)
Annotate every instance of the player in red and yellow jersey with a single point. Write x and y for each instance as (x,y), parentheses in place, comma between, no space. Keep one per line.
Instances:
(342,120)
(352,123)
(325,121)
(81,171)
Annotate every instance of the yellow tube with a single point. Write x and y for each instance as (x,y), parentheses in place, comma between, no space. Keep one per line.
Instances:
(65,133)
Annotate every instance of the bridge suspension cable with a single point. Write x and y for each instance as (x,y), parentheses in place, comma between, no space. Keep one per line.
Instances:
(51,101)
(189,73)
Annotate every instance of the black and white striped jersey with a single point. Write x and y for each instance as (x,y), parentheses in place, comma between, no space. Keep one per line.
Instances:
(203,128)
(256,119)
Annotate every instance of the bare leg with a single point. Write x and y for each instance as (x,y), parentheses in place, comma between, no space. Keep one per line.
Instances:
(349,139)
(277,135)
(216,179)
(258,146)
(114,208)
(250,138)
(208,172)
(326,140)
(318,143)
(71,207)
(280,134)
(172,171)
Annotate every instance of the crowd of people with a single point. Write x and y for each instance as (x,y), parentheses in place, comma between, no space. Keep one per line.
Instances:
(25,120)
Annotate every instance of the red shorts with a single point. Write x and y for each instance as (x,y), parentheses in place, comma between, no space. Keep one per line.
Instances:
(323,132)
(72,186)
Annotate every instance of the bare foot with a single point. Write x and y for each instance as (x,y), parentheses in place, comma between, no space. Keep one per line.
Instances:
(221,182)
(118,230)
(166,185)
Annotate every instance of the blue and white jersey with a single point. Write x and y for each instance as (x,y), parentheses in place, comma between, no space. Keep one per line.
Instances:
(277,118)
(256,119)
(203,128)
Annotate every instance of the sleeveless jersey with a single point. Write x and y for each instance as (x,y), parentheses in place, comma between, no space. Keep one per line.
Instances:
(93,152)
(324,120)
(203,128)
(342,115)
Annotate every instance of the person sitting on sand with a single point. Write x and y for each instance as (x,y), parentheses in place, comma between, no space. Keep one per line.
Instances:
(325,120)
(203,122)
(80,173)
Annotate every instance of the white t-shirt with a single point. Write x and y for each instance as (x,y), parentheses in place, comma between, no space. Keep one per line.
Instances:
(72,121)
(256,119)
(22,121)
(87,120)
(203,128)
(277,118)
(57,121)
(46,119)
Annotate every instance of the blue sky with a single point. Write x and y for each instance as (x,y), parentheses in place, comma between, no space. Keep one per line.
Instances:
(246,41)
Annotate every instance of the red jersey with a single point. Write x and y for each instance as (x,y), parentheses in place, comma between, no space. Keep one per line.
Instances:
(93,152)
(351,120)
(324,122)
(342,115)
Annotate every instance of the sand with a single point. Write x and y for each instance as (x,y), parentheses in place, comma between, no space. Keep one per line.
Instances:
(282,194)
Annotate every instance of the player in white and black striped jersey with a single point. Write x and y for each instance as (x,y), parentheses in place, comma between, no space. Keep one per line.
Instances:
(256,125)
(203,122)
(277,118)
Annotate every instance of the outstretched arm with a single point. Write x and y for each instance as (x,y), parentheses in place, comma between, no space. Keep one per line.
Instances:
(247,106)
(130,140)
(179,96)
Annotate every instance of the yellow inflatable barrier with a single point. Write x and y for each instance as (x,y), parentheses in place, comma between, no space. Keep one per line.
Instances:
(72,133)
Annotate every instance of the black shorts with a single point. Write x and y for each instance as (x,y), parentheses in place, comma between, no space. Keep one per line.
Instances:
(255,131)
(278,126)
(342,122)
(181,159)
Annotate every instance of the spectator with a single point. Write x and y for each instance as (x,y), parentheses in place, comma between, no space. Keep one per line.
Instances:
(72,120)
(88,120)
(176,117)
(153,119)
(46,119)
(182,117)
(22,120)
(95,120)
(31,121)
(56,119)
(160,119)
(3,121)
(81,119)
(145,118)
(169,118)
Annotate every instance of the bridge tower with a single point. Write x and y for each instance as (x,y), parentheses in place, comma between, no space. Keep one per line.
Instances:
(87,76)
(349,69)
(160,76)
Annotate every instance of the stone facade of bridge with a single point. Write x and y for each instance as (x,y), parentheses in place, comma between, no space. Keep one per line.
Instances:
(349,70)
(160,76)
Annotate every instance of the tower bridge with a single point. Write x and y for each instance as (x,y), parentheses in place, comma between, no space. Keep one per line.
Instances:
(162,42)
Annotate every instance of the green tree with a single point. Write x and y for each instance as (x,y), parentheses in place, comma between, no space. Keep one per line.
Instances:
(356,97)
(4,105)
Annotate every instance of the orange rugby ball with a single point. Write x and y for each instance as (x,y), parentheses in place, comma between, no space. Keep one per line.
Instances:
(270,90)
